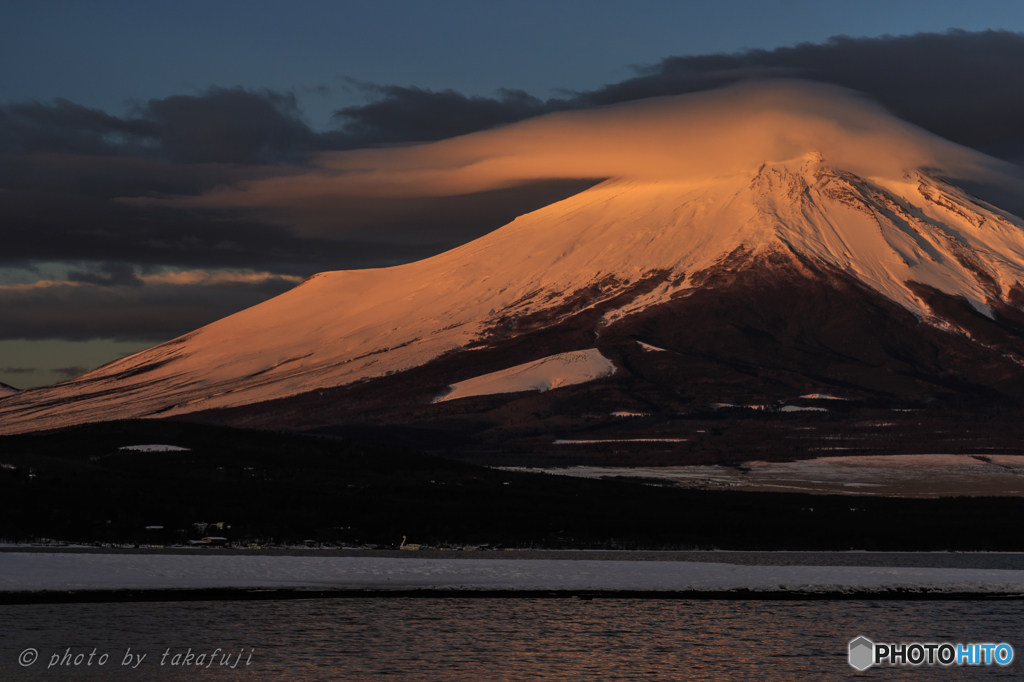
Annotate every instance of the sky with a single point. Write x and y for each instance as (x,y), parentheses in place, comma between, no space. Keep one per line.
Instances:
(128,131)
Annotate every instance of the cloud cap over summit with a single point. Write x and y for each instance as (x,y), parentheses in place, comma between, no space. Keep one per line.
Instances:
(692,138)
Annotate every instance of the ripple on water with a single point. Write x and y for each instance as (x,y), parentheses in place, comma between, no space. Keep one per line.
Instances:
(499,639)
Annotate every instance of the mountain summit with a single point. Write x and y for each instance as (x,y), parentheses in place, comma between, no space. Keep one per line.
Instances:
(747,244)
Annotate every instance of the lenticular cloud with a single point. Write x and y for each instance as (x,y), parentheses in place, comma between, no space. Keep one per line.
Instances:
(692,137)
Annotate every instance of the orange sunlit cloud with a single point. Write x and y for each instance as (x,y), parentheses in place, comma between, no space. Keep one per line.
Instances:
(687,138)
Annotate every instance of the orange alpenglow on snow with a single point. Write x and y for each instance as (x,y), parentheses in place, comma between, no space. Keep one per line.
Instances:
(784,166)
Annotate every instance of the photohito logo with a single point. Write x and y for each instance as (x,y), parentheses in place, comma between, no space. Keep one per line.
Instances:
(863,653)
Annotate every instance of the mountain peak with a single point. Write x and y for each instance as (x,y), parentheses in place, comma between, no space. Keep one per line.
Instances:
(696,185)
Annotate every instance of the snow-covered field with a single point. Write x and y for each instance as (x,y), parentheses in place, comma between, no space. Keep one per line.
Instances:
(155,447)
(890,475)
(21,572)
(564,369)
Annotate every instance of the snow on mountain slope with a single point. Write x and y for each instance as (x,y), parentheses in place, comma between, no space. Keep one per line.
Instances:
(822,175)
(564,369)
(6,390)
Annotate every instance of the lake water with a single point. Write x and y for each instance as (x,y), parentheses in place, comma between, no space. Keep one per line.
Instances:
(494,639)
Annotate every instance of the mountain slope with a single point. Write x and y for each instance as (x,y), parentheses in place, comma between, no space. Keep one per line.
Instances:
(854,208)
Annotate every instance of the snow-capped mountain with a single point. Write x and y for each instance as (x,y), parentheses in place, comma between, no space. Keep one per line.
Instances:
(6,390)
(794,228)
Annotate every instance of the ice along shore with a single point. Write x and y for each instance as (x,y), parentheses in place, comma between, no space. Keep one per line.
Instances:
(27,577)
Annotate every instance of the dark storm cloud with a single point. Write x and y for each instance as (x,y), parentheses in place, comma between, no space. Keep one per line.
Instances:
(107,275)
(51,226)
(962,86)
(154,312)
(65,127)
(47,227)
(232,126)
(238,126)
(110,177)
(401,114)
(222,125)
(65,172)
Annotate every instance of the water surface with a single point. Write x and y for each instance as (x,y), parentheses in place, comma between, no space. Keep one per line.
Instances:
(495,639)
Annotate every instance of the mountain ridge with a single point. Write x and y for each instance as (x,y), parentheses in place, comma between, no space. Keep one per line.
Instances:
(626,245)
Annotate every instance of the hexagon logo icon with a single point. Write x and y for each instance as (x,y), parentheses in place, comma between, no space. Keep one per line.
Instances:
(862,653)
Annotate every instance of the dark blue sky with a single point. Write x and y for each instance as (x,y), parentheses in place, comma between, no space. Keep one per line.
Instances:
(103,54)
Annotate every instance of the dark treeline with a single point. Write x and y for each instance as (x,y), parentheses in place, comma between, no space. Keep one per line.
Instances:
(77,485)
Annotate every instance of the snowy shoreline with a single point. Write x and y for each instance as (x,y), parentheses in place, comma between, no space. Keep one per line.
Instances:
(24,572)
(912,476)
(909,559)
